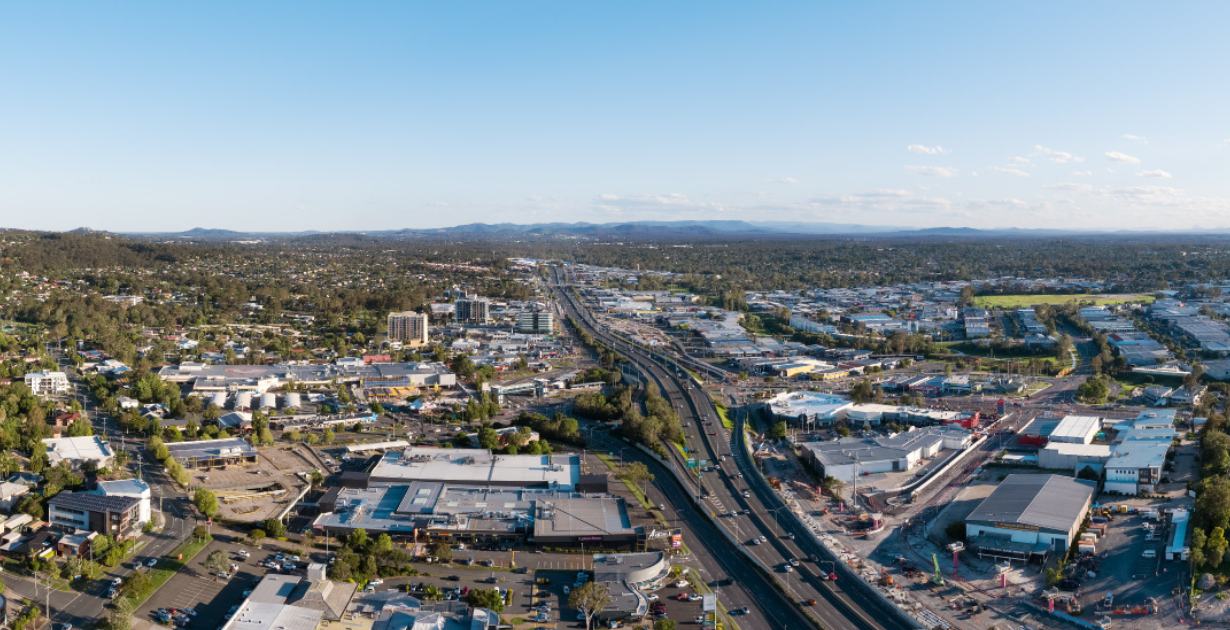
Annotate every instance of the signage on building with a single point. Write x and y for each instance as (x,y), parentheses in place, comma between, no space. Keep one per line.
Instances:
(1017,526)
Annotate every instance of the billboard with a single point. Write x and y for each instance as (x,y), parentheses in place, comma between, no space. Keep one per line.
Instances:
(708,603)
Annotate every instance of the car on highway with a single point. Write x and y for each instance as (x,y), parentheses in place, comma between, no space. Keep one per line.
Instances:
(151,562)
(794,562)
(743,611)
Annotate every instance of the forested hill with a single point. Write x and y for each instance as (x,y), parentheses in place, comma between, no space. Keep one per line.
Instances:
(53,251)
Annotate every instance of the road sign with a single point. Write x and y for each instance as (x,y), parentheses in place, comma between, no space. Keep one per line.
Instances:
(691,462)
(708,603)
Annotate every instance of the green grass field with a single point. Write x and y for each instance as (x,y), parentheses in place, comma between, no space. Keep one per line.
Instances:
(1021,301)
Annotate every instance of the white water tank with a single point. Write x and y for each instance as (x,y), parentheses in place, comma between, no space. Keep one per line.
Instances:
(219,399)
(293,400)
(243,400)
(268,401)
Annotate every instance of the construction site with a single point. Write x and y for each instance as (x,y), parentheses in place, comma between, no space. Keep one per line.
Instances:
(265,488)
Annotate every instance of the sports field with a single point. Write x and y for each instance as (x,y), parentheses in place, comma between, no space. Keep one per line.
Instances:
(1020,301)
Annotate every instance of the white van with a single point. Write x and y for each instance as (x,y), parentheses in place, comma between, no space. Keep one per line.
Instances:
(1149,553)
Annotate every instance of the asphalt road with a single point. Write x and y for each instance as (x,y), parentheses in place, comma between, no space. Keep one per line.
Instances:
(837,607)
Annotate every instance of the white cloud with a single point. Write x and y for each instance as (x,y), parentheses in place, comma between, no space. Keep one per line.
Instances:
(1121,157)
(1085,188)
(1023,161)
(933,171)
(654,204)
(923,149)
(781,180)
(1134,138)
(1010,171)
(1160,174)
(1083,173)
(1056,156)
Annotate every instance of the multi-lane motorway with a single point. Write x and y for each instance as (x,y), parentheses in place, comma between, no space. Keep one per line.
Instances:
(758,511)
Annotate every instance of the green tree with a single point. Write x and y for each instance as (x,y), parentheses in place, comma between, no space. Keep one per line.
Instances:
(1215,547)
(778,430)
(206,501)
(488,438)
(1196,555)
(486,598)
(217,562)
(441,551)
(274,527)
(138,583)
(432,593)
(664,624)
(635,473)
(384,543)
(120,618)
(328,436)
(357,541)
(592,598)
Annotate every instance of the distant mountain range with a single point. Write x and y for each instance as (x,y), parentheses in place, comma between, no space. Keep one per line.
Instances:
(648,230)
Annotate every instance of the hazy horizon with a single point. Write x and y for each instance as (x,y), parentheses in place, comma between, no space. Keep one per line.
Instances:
(310,116)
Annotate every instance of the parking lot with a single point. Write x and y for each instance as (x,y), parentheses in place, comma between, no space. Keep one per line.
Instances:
(1124,570)
(209,596)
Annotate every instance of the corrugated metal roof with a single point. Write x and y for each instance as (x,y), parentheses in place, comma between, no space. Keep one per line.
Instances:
(1045,501)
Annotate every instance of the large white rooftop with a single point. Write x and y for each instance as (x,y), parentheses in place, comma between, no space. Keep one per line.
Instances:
(477,467)
(85,448)
(809,404)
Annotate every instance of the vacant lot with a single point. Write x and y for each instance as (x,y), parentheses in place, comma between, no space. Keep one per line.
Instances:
(1020,301)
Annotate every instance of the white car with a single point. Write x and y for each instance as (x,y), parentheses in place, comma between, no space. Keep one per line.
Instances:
(653,597)
(681,584)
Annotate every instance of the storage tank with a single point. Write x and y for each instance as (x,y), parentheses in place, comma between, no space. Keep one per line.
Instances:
(219,399)
(243,400)
(268,401)
(293,400)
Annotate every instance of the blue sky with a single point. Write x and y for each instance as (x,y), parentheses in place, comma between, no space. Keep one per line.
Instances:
(382,115)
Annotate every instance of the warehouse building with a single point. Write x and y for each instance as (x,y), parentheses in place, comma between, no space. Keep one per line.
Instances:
(1074,457)
(1077,429)
(847,458)
(1029,516)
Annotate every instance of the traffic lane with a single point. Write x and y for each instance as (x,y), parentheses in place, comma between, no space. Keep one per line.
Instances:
(857,600)
(656,371)
(750,588)
(698,522)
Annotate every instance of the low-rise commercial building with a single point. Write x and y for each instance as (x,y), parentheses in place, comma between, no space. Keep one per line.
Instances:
(112,515)
(846,458)
(437,511)
(79,451)
(1029,516)
(212,453)
(808,408)
(1076,429)
(134,488)
(476,467)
